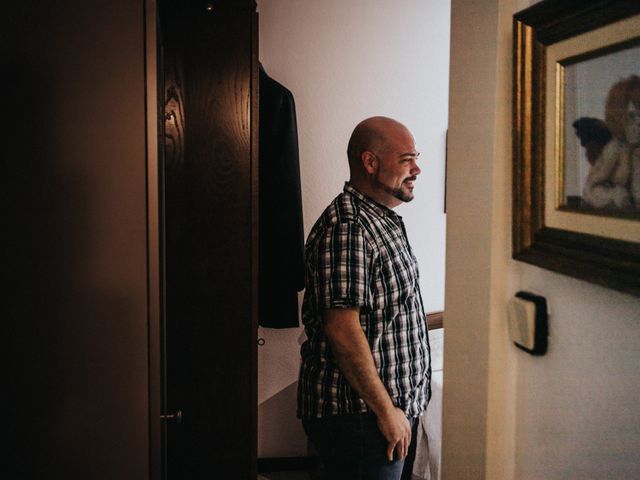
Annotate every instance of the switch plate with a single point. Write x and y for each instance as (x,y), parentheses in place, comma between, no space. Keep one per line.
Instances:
(528,322)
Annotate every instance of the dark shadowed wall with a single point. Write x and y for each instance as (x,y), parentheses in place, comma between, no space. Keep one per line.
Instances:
(75,239)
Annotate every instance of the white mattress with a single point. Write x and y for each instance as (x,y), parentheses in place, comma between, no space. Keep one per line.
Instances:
(428,449)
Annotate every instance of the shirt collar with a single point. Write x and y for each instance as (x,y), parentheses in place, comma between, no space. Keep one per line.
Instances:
(370,202)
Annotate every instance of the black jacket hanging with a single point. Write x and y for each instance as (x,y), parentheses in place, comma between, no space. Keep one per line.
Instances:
(281,265)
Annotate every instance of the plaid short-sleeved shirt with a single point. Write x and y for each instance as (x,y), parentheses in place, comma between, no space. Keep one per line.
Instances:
(358,255)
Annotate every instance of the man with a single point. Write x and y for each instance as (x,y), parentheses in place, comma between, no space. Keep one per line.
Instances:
(365,370)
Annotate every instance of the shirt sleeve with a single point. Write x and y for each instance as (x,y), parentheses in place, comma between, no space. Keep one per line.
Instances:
(343,268)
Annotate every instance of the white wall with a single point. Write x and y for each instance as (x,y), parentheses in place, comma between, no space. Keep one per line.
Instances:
(571,414)
(345,61)
(577,407)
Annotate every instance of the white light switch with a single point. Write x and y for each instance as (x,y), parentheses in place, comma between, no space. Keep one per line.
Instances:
(528,329)
(522,322)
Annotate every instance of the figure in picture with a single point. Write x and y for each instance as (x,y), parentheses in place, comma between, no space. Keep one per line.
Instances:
(613,149)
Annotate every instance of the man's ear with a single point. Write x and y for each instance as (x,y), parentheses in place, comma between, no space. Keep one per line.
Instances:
(370,162)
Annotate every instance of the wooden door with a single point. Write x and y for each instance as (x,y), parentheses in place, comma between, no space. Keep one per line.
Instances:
(209,70)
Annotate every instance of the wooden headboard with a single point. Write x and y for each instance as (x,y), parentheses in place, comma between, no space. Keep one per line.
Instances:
(435,320)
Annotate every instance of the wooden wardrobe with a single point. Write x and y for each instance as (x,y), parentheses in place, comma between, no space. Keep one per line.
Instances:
(208,80)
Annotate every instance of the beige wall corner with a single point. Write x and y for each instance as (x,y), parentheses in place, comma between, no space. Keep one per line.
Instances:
(470,204)
(507,415)
(479,417)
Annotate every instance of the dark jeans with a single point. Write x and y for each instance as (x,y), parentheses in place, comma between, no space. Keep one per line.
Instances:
(352,447)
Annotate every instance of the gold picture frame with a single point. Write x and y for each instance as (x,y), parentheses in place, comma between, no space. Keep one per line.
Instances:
(551,229)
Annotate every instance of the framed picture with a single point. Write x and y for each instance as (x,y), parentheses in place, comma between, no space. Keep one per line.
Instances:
(576,140)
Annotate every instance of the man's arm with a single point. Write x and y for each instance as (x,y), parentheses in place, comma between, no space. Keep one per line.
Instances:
(351,349)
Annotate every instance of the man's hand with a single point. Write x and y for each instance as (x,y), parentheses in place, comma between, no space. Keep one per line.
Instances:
(349,345)
(396,429)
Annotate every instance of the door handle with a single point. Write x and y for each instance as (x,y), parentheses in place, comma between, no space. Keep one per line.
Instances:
(176,417)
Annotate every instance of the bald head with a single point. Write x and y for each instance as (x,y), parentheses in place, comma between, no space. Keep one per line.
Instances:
(371,134)
(383,160)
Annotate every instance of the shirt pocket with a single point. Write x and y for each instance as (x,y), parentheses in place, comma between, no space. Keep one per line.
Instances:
(396,278)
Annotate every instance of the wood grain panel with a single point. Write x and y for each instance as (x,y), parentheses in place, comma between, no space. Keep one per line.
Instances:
(210,224)
(435,320)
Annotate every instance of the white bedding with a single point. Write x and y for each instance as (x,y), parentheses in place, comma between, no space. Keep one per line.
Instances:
(427,463)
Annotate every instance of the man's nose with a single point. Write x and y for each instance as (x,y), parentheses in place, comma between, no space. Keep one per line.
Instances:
(415,170)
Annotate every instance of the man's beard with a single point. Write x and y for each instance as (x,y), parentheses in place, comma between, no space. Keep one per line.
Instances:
(398,192)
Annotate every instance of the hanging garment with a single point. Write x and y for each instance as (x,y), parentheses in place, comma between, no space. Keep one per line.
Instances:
(281,265)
